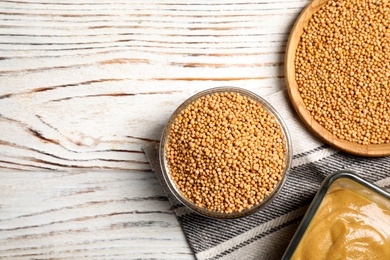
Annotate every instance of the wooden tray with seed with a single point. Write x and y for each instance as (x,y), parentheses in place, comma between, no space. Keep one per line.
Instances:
(367,150)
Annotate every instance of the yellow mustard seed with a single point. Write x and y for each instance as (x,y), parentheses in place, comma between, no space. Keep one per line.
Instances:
(228,155)
(342,67)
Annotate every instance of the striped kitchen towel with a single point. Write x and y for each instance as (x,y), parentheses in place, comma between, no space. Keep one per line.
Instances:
(266,234)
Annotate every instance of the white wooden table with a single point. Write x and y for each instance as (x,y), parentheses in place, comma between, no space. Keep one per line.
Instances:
(84,84)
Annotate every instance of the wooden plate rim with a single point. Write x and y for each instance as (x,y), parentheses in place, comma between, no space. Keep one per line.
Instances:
(369,150)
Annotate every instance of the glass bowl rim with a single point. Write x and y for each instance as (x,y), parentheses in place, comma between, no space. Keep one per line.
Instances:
(203,211)
(316,203)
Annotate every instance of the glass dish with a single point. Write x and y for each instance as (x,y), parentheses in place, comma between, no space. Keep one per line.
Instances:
(337,181)
(170,183)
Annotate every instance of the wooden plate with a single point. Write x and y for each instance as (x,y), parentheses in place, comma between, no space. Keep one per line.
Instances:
(370,150)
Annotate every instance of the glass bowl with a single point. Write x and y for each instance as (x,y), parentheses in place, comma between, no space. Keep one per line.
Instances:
(170,182)
(340,180)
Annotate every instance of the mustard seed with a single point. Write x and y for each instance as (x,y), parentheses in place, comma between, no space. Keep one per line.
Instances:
(342,69)
(225,152)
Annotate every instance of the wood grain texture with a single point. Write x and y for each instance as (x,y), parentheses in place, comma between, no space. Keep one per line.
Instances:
(83,85)
(368,150)
(96,215)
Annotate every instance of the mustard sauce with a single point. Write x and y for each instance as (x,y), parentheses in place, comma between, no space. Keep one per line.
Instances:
(346,226)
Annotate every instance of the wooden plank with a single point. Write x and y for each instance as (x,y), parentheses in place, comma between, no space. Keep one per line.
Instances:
(87,214)
(85,84)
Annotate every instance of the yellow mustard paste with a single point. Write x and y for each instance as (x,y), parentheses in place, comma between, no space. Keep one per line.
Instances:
(346,226)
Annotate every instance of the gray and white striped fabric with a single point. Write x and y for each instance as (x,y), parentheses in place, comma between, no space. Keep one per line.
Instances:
(266,234)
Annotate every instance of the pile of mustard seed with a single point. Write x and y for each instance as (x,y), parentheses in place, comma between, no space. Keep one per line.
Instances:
(226,152)
(342,69)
